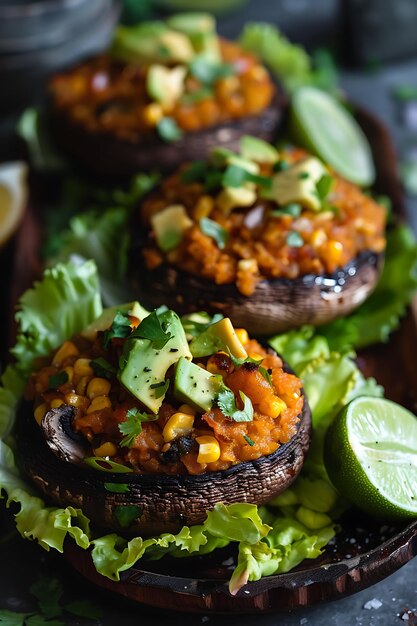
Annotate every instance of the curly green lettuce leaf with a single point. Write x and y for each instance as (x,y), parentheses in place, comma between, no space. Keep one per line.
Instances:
(64,302)
(290,63)
(381,313)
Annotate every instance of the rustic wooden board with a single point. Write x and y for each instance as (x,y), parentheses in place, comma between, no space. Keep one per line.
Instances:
(362,554)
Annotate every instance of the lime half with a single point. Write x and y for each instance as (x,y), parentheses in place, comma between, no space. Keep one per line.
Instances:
(322,125)
(371,457)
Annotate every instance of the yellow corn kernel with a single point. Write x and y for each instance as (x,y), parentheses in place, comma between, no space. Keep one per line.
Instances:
(255,356)
(40,411)
(81,386)
(153,113)
(67,349)
(203,208)
(242,335)
(98,403)
(56,403)
(107,448)
(272,408)
(178,425)
(98,387)
(80,402)
(186,408)
(82,367)
(318,238)
(209,449)
(334,251)
(70,373)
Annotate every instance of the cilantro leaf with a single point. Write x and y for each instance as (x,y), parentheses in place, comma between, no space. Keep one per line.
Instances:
(194,327)
(236,176)
(10,618)
(117,487)
(294,209)
(48,592)
(195,172)
(208,72)
(56,380)
(226,402)
(238,362)
(102,367)
(324,186)
(120,328)
(295,240)
(151,328)
(132,427)
(266,374)
(126,514)
(84,608)
(168,129)
(212,229)
(248,440)
(160,388)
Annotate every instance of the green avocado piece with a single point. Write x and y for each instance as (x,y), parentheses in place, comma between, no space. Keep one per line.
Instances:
(200,28)
(255,149)
(151,42)
(218,336)
(298,184)
(106,318)
(143,368)
(170,225)
(195,386)
(164,84)
(223,156)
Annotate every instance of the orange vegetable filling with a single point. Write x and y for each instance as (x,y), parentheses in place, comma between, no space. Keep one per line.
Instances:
(215,441)
(258,245)
(106,95)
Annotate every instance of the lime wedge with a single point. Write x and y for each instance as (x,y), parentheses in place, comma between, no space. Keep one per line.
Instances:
(371,457)
(13,197)
(320,123)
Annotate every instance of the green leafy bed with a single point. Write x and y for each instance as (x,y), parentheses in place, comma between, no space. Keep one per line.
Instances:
(273,539)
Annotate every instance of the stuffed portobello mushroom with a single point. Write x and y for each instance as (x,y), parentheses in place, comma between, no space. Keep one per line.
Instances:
(271,239)
(164,93)
(166,417)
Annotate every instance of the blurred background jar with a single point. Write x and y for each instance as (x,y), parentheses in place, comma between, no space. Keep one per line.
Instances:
(38,37)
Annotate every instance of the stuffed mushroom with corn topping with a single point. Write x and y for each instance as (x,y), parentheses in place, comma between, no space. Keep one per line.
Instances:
(165,92)
(271,239)
(180,414)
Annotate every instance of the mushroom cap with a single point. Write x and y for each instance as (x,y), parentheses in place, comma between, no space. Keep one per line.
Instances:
(165,502)
(107,155)
(276,305)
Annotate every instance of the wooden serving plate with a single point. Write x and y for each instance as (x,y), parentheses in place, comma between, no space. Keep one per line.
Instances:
(363,553)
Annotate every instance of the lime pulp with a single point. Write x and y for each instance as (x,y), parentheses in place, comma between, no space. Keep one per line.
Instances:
(371,457)
(320,123)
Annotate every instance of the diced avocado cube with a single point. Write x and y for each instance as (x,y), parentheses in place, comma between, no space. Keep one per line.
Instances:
(298,184)
(195,386)
(170,225)
(231,198)
(223,156)
(106,318)
(255,149)
(143,367)
(218,336)
(165,85)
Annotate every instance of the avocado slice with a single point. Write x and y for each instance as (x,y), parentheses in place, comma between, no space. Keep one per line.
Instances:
(218,336)
(195,386)
(143,368)
(165,85)
(255,149)
(150,43)
(231,198)
(200,28)
(106,318)
(170,225)
(298,184)
(221,157)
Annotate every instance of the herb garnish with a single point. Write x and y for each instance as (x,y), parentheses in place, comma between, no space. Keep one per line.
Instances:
(294,209)
(120,328)
(324,187)
(132,427)
(153,329)
(212,229)
(238,362)
(208,72)
(102,367)
(168,129)
(294,239)
(236,176)
(56,380)
(116,487)
(195,328)
(226,402)
(280,166)
(248,440)
(160,388)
